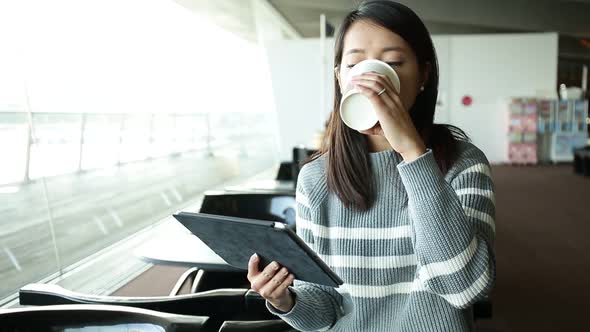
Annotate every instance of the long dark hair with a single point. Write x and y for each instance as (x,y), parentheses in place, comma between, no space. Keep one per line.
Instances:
(348,164)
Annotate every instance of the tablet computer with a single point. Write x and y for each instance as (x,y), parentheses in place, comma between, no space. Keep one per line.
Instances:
(236,239)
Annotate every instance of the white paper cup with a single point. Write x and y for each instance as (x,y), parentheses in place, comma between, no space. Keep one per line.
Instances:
(356,111)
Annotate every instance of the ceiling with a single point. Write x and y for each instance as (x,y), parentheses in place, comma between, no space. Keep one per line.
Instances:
(301,18)
(568,17)
(456,16)
(236,16)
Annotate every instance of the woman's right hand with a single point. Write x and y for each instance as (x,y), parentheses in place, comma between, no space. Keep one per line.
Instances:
(271,283)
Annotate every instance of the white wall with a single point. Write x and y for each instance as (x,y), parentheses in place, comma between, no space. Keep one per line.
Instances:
(443,50)
(489,68)
(297,83)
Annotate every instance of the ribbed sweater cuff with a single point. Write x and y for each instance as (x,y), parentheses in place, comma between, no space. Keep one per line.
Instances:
(421,176)
(305,312)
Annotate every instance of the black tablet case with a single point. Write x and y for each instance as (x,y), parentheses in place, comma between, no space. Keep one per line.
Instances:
(236,239)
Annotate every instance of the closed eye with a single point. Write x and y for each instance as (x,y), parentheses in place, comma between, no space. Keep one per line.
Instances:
(395,64)
(392,64)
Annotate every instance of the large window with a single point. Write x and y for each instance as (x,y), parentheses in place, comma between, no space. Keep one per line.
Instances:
(114,114)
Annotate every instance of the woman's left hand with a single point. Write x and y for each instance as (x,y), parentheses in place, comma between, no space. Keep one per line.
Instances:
(394,120)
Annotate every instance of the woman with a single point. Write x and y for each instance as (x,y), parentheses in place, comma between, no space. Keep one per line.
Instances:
(403,212)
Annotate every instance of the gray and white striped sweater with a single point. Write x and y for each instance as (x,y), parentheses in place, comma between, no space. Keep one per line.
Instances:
(416,261)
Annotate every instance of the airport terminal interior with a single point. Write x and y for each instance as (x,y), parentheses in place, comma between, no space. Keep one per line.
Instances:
(139,139)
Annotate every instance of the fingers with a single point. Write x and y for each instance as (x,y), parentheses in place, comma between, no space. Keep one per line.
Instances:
(371,89)
(253,267)
(280,290)
(275,288)
(391,91)
(271,269)
(383,80)
(260,280)
(370,83)
(272,282)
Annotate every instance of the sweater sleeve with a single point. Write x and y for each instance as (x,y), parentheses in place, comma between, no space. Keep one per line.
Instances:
(317,307)
(453,222)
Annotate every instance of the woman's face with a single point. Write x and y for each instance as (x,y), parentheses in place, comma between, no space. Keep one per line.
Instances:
(366,40)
